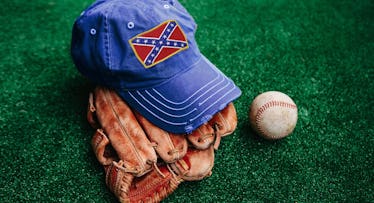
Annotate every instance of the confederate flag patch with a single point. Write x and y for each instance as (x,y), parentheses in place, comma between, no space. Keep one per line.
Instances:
(159,43)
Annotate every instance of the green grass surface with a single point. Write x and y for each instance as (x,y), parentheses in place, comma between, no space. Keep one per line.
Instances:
(319,52)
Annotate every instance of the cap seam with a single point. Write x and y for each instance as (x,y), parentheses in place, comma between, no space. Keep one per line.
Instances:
(107,40)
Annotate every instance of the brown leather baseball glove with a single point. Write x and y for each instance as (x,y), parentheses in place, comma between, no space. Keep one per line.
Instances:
(144,163)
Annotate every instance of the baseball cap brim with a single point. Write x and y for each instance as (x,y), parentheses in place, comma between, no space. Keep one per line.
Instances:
(184,102)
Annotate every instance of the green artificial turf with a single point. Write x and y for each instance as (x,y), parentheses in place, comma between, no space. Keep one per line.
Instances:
(319,52)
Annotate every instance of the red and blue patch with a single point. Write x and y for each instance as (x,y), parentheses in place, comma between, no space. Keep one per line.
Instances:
(159,43)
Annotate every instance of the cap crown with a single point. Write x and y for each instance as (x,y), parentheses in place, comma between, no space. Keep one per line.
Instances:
(104,49)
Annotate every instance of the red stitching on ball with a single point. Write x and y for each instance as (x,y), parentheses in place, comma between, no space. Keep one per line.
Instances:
(269,105)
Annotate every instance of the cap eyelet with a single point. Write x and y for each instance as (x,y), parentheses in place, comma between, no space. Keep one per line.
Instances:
(93,31)
(166,6)
(130,25)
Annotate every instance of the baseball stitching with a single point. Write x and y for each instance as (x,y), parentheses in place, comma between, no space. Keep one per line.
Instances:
(269,105)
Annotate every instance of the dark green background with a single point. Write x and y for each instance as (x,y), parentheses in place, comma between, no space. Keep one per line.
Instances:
(319,52)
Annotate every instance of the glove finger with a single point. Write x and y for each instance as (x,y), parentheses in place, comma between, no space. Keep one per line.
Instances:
(222,123)
(124,132)
(202,137)
(102,148)
(225,121)
(170,147)
(196,165)
(91,116)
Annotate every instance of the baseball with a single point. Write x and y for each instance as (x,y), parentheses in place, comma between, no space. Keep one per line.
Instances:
(273,115)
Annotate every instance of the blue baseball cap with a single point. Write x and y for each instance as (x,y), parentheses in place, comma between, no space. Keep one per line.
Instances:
(146,51)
